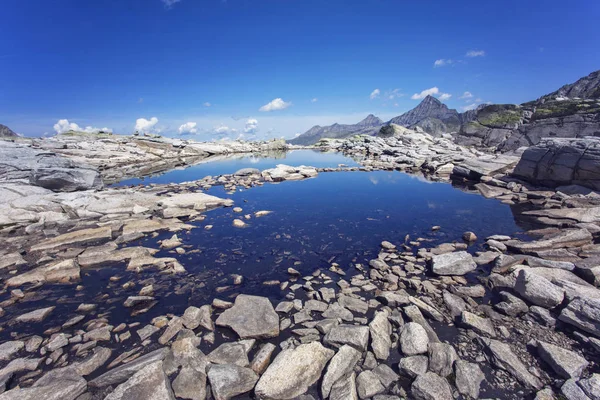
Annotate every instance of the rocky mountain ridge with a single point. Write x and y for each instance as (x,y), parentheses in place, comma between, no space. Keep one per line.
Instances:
(573,111)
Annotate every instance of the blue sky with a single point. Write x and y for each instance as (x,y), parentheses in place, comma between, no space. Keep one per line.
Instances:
(216,63)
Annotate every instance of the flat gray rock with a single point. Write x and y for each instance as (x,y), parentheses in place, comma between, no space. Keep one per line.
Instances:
(483,326)
(503,357)
(150,382)
(355,336)
(293,371)
(431,386)
(380,330)
(345,388)
(584,314)
(468,378)
(413,339)
(441,358)
(368,385)
(538,290)
(251,317)
(413,366)
(229,353)
(457,263)
(124,372)
(342,363)
(567,364)
(61,385)
(229,380)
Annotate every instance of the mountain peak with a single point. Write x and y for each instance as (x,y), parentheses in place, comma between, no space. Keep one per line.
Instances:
(371,120)
(429,99)
(429,107)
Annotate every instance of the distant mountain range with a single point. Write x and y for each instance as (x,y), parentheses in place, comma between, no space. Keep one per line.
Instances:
(571,111)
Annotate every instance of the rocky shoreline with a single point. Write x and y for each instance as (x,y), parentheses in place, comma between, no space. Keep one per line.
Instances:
(520,319)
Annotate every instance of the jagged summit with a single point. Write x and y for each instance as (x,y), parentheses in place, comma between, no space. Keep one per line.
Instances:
(430,107)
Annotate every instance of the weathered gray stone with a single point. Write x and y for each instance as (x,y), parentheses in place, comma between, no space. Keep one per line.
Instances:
(571,391)
(262,358)
(457,263)
(9,349)
(441,358)
(251,317)
(380,330)
(503,357)
(342,363)
(353,304)
(538,290)
(194,317)
(413,339)
(36,315)
(468,378)
(336,311)
(355,336)
(368,385)
(124,372)
(591,386)
(190,384)
(150,382)
(431,386)
(480,325)
(583,314)
(567,364)
(229,353)
(293,371)
(59,385)
(413,366)
(344,388)
(228,380)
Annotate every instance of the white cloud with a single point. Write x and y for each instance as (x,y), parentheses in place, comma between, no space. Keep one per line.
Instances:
(469,107)
(444,96)
(274,105)
(207,104)
(224,130)
(466,95)
(314,100)
(188,127)
(431,91)
(143,125)
(63,125)
(392,94)
(375,93)
(475,53)
(441,62)
(251,126)
(170,3)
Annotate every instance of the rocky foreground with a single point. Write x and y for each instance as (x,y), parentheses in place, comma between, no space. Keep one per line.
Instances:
(519,319)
